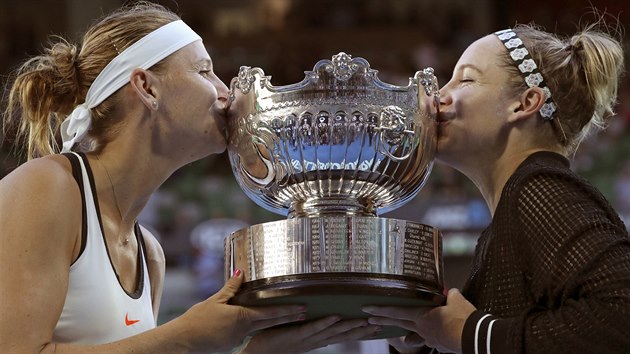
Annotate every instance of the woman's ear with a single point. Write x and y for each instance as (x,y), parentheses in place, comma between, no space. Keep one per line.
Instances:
(529,104)
(144,84)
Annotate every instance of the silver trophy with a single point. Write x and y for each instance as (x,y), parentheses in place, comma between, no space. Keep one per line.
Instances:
(332,152)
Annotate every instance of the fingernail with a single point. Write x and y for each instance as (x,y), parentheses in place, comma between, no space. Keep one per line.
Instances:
(302,309)
(367,309)
(301,317)
(237,272)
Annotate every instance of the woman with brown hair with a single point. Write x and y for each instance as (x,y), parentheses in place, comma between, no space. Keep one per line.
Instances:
(135,102)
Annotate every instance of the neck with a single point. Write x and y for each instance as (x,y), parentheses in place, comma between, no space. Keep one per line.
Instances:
(491,176)
(138,160)
(128,179)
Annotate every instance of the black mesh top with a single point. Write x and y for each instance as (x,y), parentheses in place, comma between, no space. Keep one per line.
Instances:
(553,268)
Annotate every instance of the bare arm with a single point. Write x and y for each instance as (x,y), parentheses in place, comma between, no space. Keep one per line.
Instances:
(40,219)
(36,251)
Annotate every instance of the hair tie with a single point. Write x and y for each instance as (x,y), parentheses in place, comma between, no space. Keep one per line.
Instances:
(75,65)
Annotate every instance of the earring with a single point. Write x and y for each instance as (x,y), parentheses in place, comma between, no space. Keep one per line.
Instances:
(154,105)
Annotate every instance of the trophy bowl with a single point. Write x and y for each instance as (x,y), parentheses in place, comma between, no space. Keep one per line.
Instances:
(333,152)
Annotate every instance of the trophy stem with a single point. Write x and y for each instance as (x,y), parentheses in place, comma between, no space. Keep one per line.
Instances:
(323,206)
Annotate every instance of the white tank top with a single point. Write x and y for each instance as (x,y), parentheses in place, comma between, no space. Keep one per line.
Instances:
(97,309)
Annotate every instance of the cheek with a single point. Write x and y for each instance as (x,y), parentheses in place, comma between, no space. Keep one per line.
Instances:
(211,94)
(481,110)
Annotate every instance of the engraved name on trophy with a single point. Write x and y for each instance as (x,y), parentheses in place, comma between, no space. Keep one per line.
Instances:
(333,152)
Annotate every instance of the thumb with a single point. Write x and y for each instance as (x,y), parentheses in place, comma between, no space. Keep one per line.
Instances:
(454,295)
(454,292)
(229,289)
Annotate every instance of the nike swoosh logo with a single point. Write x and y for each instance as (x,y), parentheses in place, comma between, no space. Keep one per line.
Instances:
(129,322)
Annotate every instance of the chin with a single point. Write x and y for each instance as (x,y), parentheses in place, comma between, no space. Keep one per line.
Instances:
(445,155)
(441,146)
(216,149)
(208,146)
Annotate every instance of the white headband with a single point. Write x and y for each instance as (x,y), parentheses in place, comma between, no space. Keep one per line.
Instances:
(143,54)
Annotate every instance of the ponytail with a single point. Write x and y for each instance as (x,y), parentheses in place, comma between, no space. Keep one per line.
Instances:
(582,72)
(44,88)
(601,58)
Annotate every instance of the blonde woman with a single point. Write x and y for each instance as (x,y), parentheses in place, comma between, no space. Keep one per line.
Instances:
(551,273)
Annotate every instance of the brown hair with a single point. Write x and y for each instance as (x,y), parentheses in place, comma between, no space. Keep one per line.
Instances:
(46,88)
(582,72)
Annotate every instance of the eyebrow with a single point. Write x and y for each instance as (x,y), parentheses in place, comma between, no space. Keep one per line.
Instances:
(204,61)
(470,66)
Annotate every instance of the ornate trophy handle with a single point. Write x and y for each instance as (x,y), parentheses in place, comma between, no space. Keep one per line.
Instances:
(427,79)
(394,131)
(270,176)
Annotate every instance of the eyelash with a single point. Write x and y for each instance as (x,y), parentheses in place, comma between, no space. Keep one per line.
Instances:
(205,73)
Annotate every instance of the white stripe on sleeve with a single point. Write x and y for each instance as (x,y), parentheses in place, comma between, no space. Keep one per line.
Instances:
(477,333)
(488,337)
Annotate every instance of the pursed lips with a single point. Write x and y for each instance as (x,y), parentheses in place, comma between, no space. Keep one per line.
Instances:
(220,114)
(442,119)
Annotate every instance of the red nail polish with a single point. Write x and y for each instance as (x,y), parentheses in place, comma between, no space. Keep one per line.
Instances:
(237,272)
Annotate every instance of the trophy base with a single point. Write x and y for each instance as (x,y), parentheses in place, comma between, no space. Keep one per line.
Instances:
(340,293)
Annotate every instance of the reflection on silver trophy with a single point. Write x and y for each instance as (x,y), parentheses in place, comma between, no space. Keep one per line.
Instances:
(332,152)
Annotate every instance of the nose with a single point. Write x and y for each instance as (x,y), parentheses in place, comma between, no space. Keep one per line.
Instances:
(222,90)
(445,97)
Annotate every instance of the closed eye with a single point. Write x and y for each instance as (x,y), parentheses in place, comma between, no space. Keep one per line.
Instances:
(206,73)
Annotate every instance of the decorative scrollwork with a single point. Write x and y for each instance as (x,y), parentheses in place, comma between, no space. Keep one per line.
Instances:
(343,67)
(245,79)
(428,80)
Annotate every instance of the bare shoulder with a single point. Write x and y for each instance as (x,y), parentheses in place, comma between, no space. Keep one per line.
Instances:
(41,173)
(37,195)
(40,222)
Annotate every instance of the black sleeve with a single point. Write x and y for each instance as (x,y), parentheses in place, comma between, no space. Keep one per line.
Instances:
(484,333)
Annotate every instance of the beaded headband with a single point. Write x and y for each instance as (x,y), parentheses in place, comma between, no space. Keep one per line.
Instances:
(532,75)
(143,54)
(528,68)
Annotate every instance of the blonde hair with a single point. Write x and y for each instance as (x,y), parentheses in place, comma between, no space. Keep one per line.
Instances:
(46,88)
(582,71)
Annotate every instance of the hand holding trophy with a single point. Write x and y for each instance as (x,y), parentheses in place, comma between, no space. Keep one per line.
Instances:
(332,152)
